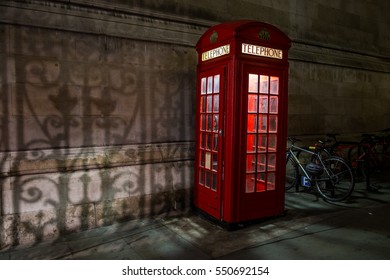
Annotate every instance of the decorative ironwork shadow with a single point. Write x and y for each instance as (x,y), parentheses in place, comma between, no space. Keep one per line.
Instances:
(70,100)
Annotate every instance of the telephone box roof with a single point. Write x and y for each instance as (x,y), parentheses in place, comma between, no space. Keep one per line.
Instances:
(249,30)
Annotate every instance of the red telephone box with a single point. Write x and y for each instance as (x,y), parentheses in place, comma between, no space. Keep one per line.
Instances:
(241,121)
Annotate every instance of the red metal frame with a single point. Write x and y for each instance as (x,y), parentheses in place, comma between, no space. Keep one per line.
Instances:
(234,51)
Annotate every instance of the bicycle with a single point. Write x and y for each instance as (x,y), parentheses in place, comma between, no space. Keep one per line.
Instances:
(331,146)
(340,148)
(370,155)
(331,176)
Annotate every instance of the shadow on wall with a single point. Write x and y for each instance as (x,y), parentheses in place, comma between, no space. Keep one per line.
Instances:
(76,112)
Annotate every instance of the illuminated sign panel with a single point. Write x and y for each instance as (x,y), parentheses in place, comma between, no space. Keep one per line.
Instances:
(262,51)
(217,52)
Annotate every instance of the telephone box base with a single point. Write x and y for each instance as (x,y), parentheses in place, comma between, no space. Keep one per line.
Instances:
(238,225)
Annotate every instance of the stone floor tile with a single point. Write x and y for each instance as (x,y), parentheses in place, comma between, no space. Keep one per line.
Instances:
(41,252)
(116,250)
(162,243)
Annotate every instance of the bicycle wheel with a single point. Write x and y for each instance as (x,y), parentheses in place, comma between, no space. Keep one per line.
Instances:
(336,183)
(292,173)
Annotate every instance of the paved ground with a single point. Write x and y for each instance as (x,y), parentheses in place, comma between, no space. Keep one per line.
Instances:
(312,229)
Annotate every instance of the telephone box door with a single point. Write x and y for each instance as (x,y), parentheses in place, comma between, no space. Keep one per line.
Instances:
(209,146)
(262,107)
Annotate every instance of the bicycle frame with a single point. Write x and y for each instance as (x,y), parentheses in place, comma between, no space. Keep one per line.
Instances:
(296,160)
(371,154)
(338,147)
(331,176)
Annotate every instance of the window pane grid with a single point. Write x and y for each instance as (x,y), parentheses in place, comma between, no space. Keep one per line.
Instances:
(209,131)
(262,126)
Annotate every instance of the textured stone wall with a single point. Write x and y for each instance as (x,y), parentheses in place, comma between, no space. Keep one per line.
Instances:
(339,67)
(97,99)
(95,128)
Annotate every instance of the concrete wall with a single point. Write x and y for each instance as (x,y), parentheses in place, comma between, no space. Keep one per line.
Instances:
(97,99)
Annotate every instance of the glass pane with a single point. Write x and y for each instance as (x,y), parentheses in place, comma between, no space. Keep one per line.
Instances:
(250,183)
(250,163)
(251,143)
(208,179)
(209,122)
(203,104)
(253,83)
(210,84)
(260,182)
(203,140)
(273,106)
(252,103)
(263,104)
(271,162)
(215,123)
(208,144)
(216,103)
(216,83)
(264,83)
(201,177)
(274,85)
(273,123)
(203,86)
(263,123)
(252,122)
(262,146)
(207,163)
(271,181)
(202,122)
(209,103)
(272,143)
(202,159)
(214,184)
(215,162)
(261,162)
(215,142)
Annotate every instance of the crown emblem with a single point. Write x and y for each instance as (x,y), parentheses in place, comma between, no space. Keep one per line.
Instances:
(214,37)
(264,34)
